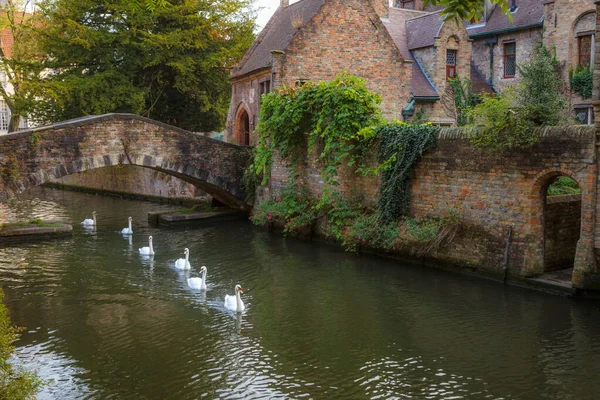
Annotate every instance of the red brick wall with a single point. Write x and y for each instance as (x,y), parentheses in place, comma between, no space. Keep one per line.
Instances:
(490,191)
(349,36)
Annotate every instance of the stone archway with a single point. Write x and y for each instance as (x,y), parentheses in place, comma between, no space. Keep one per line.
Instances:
(242,127)
(561,223)
(107,140)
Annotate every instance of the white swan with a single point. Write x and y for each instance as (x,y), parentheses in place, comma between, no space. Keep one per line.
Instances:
(128,230)
(184,263)
(235,303)
(198,283)
(148,250)
(90,221)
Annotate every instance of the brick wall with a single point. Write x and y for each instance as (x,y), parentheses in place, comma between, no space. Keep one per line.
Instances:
(348,36)
(562,224)
(491,192)
(563,20)
(30,158)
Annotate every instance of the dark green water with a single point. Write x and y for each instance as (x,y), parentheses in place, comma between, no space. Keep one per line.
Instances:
(104,323)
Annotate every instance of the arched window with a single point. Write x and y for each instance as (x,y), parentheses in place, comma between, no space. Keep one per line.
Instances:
(583,32)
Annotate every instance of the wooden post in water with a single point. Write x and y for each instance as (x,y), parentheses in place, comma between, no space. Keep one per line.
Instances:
(507,252)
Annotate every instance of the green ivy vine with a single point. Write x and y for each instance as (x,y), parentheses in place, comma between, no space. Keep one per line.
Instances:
(340,122)
(582,81)
(325,118)
(400,146)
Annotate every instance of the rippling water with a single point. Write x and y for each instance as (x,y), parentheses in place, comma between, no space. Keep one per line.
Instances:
(104,323)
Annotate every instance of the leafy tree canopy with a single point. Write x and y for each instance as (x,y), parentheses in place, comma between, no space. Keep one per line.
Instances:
(465,10)
(168,60)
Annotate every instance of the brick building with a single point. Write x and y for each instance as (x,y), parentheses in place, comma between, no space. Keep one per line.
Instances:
(407,53)
(319,39)
(564,26)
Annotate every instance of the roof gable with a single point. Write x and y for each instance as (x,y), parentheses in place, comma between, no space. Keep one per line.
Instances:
(422,31)
(277,35)
(420,85)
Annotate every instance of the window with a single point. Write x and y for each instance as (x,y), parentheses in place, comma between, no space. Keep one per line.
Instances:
(585,50)
(510,60)
(4,115)
(405,4)
(585,115)
(450,64)
(264,87)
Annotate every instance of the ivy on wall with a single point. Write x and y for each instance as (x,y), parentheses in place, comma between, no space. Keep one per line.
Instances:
(339,122)
(324,118)
(400,146)
(582,81)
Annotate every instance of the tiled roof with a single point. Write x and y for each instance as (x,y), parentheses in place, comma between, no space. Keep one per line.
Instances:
(422,31)
(276,35)
(529,13)
(396,26)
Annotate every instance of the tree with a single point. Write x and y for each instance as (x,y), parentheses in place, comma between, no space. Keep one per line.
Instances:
(169,62)
(465,10)
(19,59)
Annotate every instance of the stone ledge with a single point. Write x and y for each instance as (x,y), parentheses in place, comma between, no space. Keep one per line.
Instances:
(574,131)
(35,232)
(210,216)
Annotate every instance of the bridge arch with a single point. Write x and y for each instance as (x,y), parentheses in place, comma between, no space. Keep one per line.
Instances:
(75,146)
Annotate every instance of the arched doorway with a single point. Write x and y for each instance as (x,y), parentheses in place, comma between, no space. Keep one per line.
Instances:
(561,224)
(242,127)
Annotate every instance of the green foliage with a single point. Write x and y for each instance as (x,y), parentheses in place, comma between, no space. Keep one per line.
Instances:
(34,141)
(419,118)
(167,60)
(294,211)
(463,99)
(400,146)
(582,81)
(465,10)
(250,180)
(500,126)
(538,91)
(323,118)
(11,170)
(509,121)
(562,186)
(15,384)
(367,230)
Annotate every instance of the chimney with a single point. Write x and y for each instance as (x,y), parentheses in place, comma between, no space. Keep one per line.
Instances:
(382,7)
(284,3)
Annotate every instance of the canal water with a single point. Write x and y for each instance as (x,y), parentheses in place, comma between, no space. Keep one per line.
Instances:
(104,323)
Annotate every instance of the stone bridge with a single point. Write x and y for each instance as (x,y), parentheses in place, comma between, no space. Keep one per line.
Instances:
(30,158)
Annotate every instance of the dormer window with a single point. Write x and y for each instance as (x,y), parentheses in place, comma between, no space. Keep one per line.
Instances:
(410,4)
(585,51)
(450,64)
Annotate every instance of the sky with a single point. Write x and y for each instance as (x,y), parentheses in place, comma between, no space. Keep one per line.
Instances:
(266,9)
